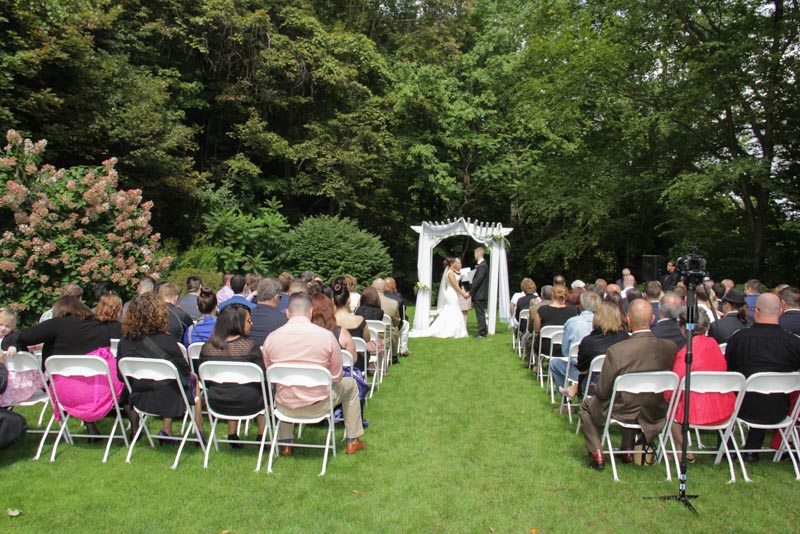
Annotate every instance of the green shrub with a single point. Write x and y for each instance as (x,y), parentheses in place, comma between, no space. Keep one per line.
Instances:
(331,246)
(210,278)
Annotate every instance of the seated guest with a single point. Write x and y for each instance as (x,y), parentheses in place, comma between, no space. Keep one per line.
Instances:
(146,285)
(575,329)
(369,306)
(608,329)
(763,347)
(574,297)
(391,309)
(752,289)
(301,341)
(188,302)
(109,312)
(639,353)
(652,292)
(298,285)
(512,308)
(230,342)
(73,330)
(392,293)
(285,279)
(669,311)
(704,408)
(790,304)
(322,315)
(225,291)
(177,319)
(266,317)
(703,303)
(356,325)
(251,286)
(546,299)
(144,335)
(72,290)
(528,287)
(200,332)
(20,385)
(100,289)
(734,318)
(554,314)
(352,287)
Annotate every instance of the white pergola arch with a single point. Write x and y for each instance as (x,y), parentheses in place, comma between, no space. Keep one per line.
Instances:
(490,235)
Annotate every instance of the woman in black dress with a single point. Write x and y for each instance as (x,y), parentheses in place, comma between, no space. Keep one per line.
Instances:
(230,342)
(144,335)
(356,325)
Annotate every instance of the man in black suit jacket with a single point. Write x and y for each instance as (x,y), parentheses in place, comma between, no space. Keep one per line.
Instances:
(265,316)
(479,291)
(667,327)
(639,353)
(734,319)
(790,303)
(765,346)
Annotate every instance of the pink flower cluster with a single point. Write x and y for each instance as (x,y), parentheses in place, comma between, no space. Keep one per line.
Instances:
(70,224)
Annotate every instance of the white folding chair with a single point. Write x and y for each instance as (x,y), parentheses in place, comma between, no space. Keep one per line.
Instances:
(347,359)
(301,375)
(157,369)
(524,315)
(193,352)
(79,366)
(723,347)
(655,382)
(706,382)
(379,332)
(369,358)
(27,362)
(573,353)
(768,383)
(594,367)
(241,373)
(555,334)
(184,351)
(389,348)
(113,346)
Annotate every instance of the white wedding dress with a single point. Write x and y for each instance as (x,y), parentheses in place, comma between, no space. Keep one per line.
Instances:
(450,321)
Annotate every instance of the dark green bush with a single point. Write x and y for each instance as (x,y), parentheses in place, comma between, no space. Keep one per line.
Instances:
(331,246)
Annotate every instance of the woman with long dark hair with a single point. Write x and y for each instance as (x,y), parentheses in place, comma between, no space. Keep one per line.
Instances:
(230,342)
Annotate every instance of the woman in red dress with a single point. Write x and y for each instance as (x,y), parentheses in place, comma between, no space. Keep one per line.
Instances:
(704,408)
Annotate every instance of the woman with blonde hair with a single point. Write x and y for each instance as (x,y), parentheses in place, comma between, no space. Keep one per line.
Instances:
(608,328)
(554,314)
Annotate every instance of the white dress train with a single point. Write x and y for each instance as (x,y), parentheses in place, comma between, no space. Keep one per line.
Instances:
(450,321)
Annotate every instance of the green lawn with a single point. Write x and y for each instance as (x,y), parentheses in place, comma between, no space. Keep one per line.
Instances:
(461,439)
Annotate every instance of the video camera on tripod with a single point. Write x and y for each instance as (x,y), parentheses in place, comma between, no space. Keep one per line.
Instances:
(692,267)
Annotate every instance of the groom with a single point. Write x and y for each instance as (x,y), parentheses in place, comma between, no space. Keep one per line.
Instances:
(479,291)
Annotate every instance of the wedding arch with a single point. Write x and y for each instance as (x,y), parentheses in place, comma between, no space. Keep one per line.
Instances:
(490,235)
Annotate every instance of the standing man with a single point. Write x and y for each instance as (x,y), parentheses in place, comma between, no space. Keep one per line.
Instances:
(479,291)
(672,277)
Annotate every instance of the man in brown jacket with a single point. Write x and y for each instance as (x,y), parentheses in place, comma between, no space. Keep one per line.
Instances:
(639,353)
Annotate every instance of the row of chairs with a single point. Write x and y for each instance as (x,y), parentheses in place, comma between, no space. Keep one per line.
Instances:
(216,372)
(702,382)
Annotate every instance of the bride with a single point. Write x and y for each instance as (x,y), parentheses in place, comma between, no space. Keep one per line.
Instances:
(450,321)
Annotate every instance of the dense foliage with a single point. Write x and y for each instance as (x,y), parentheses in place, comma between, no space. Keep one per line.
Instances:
(599,131)
(67,225)
(331,246)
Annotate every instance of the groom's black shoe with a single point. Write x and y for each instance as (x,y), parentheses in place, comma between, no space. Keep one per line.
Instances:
(479,337)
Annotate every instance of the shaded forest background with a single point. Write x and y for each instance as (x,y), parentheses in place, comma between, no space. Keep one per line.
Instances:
(600,131)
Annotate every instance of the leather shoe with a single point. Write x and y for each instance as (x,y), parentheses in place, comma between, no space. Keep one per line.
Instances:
(627,459)
(286,450)
(750,457)
(354,446)
(598,462)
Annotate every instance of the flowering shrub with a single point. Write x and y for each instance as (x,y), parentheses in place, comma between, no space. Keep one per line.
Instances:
(67,226)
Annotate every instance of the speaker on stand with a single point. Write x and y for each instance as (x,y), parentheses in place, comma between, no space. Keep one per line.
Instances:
(651,267)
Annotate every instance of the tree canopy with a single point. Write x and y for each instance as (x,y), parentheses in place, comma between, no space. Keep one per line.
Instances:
(600,131)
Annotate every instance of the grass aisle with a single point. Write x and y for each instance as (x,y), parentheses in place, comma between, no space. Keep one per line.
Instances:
(461,439)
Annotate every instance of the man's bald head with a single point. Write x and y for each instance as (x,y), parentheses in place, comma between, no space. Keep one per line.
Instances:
(768,308)
(640,315)
(379,284)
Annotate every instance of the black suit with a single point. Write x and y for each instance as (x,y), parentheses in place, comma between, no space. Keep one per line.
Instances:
(760,348)
(480,295)
(669,329)
(790,320)
(265,320)
(723,328)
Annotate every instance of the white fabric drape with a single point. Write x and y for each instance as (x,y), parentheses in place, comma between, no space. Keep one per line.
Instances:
(490,236)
